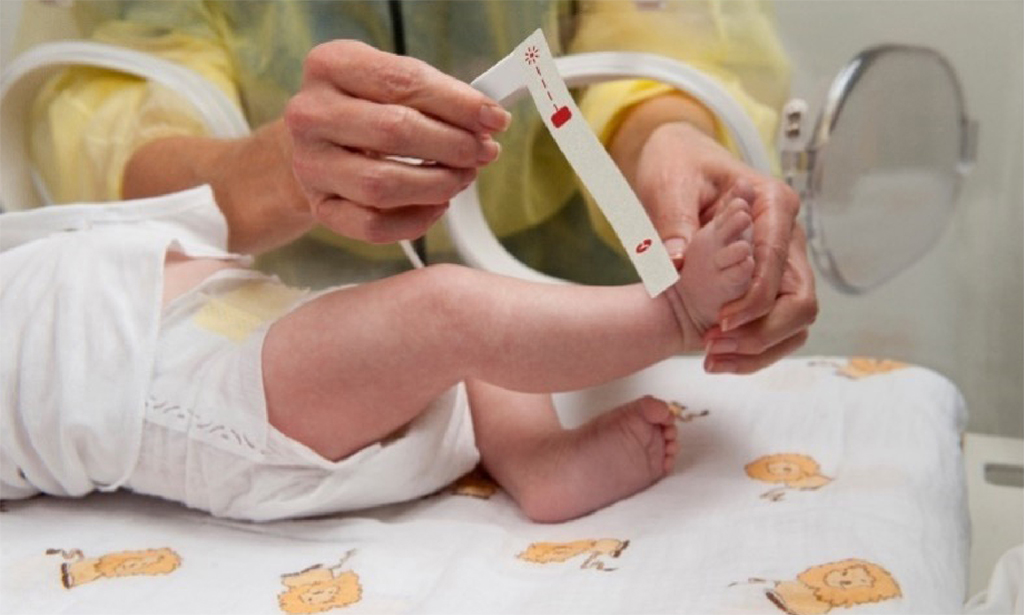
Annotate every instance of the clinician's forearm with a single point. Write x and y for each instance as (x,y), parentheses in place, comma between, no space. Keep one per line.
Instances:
(251,178)
(645,117)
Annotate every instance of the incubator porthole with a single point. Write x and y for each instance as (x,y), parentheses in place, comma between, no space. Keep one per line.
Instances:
(887,158)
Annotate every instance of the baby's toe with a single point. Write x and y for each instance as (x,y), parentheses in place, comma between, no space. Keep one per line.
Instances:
(735,223)
(733,254)
(670,431)
(738,277)
(655,411)
(671,452)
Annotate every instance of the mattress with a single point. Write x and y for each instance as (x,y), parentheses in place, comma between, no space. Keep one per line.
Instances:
(819,484)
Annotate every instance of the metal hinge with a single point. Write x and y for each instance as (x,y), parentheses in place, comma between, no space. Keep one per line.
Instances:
(794,158)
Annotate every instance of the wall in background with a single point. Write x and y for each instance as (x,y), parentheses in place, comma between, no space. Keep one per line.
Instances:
(960,310)
(24,23)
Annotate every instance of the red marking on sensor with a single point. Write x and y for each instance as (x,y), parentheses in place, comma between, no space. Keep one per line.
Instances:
(561,116)
(643,246)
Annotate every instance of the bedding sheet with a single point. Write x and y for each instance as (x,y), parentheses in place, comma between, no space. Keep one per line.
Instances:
(818,485)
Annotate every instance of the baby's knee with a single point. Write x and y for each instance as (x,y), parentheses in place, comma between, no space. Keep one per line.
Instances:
(448,290)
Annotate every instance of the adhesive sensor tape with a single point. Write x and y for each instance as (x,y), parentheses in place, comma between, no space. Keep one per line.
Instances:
(531,63)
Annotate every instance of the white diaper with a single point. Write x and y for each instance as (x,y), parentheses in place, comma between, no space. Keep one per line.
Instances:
(206,441)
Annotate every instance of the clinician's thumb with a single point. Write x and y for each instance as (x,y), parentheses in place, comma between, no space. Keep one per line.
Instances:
(673,203)
(677,220)
(677,232)
(676,248)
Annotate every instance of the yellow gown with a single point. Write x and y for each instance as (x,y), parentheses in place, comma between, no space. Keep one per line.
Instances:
(86,123)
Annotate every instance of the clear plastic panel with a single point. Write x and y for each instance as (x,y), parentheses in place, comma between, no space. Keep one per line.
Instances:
(887,165)
(560,241)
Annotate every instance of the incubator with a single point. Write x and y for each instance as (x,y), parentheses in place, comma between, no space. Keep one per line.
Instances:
(878,167)
(878,174)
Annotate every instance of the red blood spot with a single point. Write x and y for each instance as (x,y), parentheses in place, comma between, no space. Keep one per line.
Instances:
(642,246)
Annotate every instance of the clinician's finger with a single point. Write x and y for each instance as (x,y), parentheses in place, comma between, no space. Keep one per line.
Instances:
(794,311)
(379,182)
(394,130)
(365,72)
(748,364)
(792,315)
(374,225)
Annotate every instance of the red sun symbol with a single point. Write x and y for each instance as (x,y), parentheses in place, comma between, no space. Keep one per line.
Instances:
(532,55)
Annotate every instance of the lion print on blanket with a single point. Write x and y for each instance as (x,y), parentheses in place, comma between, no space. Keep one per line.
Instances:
(79,570)
(317,588)
(819,589)
(792,470)
(559,552)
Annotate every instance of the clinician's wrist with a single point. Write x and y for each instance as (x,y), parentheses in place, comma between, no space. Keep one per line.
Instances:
(251,178)
(258,192)
(644,118)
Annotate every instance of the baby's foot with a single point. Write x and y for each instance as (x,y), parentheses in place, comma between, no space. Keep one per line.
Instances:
(615,455)
(717,268)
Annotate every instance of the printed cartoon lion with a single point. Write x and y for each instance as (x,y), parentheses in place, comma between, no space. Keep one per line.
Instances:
(862,367)
(82,570)
(793,470)
(846,583)
(317,589)
(559,552)
(477,484)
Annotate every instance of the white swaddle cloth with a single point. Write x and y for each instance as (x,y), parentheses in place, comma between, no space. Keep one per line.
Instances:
(77,349)
(1005,591)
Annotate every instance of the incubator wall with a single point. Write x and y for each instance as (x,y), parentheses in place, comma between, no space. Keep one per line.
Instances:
(959,310)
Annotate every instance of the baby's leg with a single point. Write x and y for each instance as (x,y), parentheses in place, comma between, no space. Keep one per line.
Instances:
(717,268)
(352,366)
(349,368)
(555,474)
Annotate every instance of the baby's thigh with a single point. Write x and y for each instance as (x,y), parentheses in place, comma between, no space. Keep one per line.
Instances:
(350,367)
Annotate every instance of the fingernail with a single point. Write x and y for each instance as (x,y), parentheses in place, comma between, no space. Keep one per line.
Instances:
(716,366)
(733,322)
(723,346)
(744,190)
(739,201)
(675,247)
(493,117)
(489,151)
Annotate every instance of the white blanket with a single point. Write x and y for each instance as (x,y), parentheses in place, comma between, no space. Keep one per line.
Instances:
(81,308)
(1005,592)
(817,485)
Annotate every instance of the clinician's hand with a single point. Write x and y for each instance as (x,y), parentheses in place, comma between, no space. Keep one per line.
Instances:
(781,331)
(359,106)
(682,174)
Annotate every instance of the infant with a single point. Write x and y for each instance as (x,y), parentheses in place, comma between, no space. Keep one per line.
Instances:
(150,358)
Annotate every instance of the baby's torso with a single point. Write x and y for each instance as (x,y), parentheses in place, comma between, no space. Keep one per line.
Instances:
(183,273)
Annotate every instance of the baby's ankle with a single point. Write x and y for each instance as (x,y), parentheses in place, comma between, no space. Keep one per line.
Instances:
(691,331)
